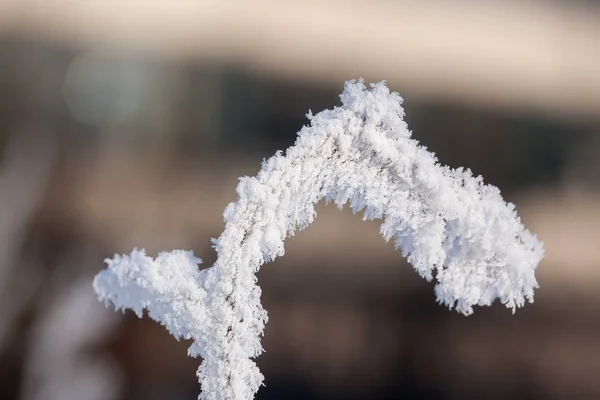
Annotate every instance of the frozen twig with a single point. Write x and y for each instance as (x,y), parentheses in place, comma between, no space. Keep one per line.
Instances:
(448,223)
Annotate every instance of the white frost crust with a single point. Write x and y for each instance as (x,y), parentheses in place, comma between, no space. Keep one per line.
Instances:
(450,225)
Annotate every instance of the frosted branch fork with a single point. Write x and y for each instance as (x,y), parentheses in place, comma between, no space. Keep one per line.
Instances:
(450,225)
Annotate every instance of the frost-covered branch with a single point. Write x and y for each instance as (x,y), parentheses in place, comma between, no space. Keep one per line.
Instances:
(449,225)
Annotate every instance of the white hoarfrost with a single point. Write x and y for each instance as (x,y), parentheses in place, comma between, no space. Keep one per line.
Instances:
(448,223)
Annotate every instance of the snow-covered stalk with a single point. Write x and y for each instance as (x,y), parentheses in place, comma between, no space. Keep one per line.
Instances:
(448,223)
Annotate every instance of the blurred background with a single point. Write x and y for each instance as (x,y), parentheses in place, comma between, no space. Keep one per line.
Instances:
(126,123)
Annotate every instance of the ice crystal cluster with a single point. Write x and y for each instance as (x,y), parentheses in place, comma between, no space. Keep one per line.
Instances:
(449,225)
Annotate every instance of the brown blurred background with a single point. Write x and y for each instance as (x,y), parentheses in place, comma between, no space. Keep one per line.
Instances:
(126,123)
